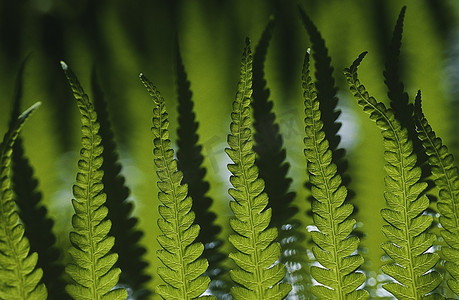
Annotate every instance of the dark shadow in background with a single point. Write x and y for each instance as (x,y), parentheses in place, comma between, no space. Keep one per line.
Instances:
(53,41)
(273,169)
(286,47)
(127,237)
(189,161)
(38,226)
(442,16)
(11,20)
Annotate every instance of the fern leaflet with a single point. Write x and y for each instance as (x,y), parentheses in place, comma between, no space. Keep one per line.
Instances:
(183,270)
(259,274)
(408,240)
(335,245)
(92,267)
(19,275)
(447,181)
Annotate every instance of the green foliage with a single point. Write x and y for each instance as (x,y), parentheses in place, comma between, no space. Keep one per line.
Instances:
(447,182)
(335,244)
(183,269)
(257,253)
(268,245)
(19,276)
(408,240)
(92,263)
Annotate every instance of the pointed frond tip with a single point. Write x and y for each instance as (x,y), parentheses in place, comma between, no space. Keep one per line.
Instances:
(64,66)
(357,61)
(152,90)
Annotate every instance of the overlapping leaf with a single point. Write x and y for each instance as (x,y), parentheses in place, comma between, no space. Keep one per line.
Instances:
(335,245)
(408,240)
(19,276)
(258,274)
(183,269)
(92,266)
(447,182)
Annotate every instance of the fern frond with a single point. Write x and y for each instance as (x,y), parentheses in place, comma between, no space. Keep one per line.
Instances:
(258,275)
(19,276)
(335,243)
(92,266)
(447,180)
(183,269)
(408,240)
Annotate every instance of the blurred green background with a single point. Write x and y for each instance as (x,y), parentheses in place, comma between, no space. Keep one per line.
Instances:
(120,39)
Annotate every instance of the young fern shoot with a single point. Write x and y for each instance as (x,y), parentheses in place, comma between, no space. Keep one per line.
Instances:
(408,239)
(183,269)
(19,276)
(335,245)
(446,179)
(258,275)
(92,266)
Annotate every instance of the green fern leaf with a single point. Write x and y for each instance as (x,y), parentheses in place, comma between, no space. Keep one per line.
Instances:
(183,270)
(19,276)
(92,266)
(408,242)
(258,275)
(447,180)
(335,244)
